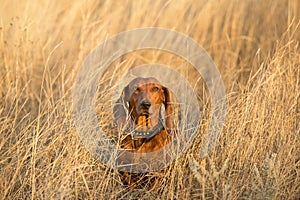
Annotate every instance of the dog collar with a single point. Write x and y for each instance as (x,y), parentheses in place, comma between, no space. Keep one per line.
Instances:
(148,135)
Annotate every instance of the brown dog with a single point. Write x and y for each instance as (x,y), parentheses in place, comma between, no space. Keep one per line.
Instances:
(147,125)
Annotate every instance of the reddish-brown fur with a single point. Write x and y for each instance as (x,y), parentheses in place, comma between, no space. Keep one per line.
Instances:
(144,99)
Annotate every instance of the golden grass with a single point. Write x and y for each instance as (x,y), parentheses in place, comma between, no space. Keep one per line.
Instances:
(255,45)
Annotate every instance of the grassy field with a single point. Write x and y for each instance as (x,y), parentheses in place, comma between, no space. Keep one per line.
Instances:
(255,45)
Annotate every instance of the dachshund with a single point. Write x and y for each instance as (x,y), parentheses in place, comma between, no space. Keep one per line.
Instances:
(148,124)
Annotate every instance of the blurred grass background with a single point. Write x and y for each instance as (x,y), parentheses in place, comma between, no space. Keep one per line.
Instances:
(255,45)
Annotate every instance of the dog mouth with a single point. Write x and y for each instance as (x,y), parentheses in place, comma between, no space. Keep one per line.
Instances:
(144,111)
(146,119)
(146,125)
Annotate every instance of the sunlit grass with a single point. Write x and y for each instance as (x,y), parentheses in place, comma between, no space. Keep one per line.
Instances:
(255,45)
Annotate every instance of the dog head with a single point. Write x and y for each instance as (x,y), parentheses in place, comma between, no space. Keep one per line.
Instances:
(144,100)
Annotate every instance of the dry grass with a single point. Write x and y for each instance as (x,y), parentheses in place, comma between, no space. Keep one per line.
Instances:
(254,43)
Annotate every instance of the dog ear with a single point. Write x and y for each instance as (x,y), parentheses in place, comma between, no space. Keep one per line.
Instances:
(168,108)
(119,107)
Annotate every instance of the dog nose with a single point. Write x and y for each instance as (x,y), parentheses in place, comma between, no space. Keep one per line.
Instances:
(145,104)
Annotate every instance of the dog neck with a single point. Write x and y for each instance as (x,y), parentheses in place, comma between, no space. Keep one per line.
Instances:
(146,128)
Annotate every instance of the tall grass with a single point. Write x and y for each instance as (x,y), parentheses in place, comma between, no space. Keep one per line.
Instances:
(255,45)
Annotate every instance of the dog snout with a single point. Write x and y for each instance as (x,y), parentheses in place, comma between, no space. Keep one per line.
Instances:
(145,104)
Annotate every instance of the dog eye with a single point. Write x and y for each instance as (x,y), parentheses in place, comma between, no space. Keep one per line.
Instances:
(155,89)
(137,89)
